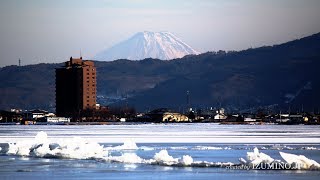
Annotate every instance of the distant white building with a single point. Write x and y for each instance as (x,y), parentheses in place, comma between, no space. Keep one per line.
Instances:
(283,118)
(220,114)
(37,114)
(249,119)
(58,120)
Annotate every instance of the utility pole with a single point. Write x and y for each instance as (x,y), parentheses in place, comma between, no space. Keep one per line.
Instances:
(289,109)
(19,62)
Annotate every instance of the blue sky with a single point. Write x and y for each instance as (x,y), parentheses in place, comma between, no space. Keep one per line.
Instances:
(53,30)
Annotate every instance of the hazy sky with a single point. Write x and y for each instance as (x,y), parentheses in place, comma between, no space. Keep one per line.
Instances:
(53,30)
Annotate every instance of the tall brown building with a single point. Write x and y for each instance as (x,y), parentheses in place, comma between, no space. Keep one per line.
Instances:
(75,87)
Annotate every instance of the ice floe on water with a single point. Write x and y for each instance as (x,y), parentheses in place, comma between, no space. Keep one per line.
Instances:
(300,160)
(164,158)
(130,158)
(257,157)
(76,148)
(80,148)
(259,160)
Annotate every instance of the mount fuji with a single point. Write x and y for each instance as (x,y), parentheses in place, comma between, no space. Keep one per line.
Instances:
(157,45)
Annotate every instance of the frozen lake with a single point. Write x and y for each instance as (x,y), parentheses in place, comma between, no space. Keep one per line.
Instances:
(159,151)
(170,133)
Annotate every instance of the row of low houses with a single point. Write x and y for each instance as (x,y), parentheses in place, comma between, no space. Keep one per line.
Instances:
(294,118)
(18,116)
(166,115)
(162,115)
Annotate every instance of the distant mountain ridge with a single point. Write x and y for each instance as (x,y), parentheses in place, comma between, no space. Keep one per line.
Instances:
(156,45)
(285,75)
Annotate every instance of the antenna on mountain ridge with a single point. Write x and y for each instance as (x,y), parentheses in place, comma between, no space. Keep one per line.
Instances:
(188,99)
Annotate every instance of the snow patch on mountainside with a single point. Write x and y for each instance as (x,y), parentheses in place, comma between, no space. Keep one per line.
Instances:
(157,45)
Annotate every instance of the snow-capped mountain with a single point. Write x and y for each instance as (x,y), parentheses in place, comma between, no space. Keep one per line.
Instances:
(158,45)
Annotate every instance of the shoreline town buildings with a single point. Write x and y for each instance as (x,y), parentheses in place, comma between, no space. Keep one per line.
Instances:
(75,87)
